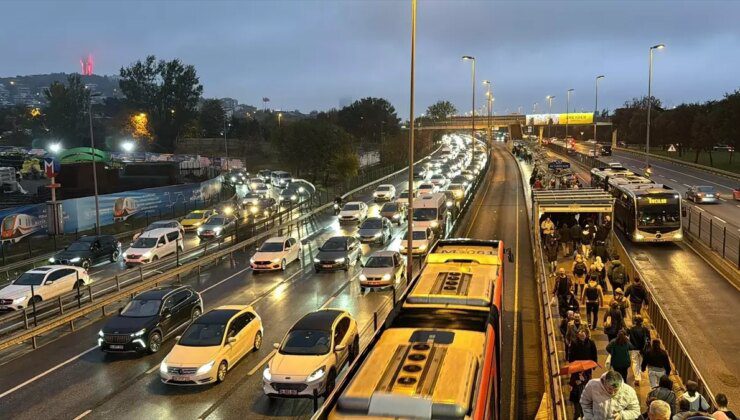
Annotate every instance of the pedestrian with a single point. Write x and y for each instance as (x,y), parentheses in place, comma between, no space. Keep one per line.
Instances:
(551,252)
(617,274)
(572,331)
(684,410)
(601,269)
(587,237)
(582,348)
(593,297)
(658,410)
(613,321)
(547,227)
(600,250)
(537,184)
(577,384)
(619,352)
(561,290)
(579,270)
(664,392)
(696,401)
(637,295)
(564,322)
(722,409)
(564,233)
(640,339)
(623,303)
(575,237)
(656,361)
(608,398)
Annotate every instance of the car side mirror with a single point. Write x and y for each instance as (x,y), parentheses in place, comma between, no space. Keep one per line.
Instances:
(231,340)
(339,347)
(276,345)
(49,282)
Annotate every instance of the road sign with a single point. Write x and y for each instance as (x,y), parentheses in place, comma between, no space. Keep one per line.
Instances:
(51,167)
(671,148)
(558,164)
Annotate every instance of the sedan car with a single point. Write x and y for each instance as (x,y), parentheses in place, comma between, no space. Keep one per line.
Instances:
(212,345)
(439,180)
(385,192)
(421,241)
(403,198)
(354,211)
(261,189)
(702,194)
(47,282)
(458,191)
(276,254)
(383,269)
(250,199)
(393,212)
(216,226)
(195,219)
(427,188)
(311,355)
(264,207)
(375,230)
(89,250)
(339,252)
(150,318)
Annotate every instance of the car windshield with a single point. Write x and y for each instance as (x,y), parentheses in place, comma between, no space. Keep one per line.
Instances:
(140,308)
(377,262)
(271,247)
(216,221)
(425,214)
(351,207)
(705,189)
(372,224)
(158,225)
(194,216)
(389,207)
(28,279)
(144,243)
(306,342)
(426,186)
(79,246)
(419,235)
(203,335)
(437,177)
(384,188)
(334,245)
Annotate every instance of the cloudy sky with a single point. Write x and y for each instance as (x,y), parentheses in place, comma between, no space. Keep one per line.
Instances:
(315,54)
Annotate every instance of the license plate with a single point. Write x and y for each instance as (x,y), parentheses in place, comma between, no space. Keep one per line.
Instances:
(327,266)
(116,346)
(288,392)
(180,378)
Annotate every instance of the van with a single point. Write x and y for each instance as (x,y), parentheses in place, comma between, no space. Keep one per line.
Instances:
(281,179)
(431,211)
(153,245)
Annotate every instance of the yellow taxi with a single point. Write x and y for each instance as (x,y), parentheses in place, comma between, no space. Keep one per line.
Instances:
(195,218)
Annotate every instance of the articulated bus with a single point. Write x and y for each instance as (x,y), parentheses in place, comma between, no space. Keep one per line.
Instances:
(600,177)
(648,212)
(614,183)
(438,354)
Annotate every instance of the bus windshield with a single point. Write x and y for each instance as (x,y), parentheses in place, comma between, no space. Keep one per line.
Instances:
(658,210)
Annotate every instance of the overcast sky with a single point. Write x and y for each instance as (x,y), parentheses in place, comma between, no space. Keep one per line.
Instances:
(313,54)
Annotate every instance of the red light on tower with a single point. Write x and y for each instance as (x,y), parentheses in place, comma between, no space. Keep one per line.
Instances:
(87,65)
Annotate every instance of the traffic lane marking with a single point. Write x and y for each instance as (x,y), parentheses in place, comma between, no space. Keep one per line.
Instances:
(262,362)
(681,173)
(85,413)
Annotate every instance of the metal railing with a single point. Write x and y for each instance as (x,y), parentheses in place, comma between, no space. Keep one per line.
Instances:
(714,233)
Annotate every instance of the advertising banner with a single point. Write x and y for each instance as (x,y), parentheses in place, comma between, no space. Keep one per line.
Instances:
(542,119)
(572,118)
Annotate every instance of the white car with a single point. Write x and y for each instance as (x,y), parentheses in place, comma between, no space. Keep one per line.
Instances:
(385,192)
(48,282)
(276,254)
(153,245)
(383,269)
(261,189)
(253,182)
(311,355)
(354,211)
(422,241)
(427,188)
(438,180)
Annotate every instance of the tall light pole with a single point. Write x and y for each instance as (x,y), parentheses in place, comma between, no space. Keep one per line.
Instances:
(567,112)
(410,217)
(95,172)
(596,110)
(649,103)
(549,99)
(226,143)
(472,130)
(489,97)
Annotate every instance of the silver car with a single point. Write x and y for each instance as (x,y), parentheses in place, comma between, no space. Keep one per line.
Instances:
(383,269)
(702,194)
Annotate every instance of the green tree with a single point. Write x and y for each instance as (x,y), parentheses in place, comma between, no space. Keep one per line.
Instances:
(212,118)
(67,113)
(441,110)
(366,118)
(167,91)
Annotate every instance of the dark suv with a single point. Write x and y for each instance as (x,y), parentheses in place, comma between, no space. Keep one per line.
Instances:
(150,318)
(89,250)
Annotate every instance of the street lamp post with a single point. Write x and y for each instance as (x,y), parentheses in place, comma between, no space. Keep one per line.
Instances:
(596,110)
(549,99)
(472,130)
(567,112)
(410,217)
(649,103)
(489,97)
(226,143)
(95,172)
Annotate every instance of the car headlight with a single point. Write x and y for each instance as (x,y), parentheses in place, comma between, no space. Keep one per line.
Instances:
(339,260)
(377,235)
(139,333)
(233,179)
(450,203)
(317,374)
(422,247)
(125,255)
(386,276)
(316,260)
(217,230)
(20,299)
(100,333)
(163,367)
(205,368)
(266,375)
(51,260)
(363,277)
(396,216)
(276,260)
(639,236)
(75,259)
(251,260)
(434,224)
(253,210)
(375,194)
(294,197)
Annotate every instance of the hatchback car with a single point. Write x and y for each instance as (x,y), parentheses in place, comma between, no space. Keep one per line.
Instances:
(212,345)
(383,269)
(393,212)
(276,254)
(354,211)
(375,230)
(89,250)
(702,194)
(216,226)
(261,189)
(339,252)
(195,219)
(150,318)
(384,192)
(311,355)
(47,282)
(421,241)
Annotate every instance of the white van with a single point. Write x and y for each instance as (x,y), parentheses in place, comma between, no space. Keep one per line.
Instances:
(281,179)
(153,245)
(431,211)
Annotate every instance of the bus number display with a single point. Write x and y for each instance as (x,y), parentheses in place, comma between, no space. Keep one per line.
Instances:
(651,200)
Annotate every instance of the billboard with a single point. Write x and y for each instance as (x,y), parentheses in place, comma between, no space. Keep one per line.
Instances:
(542,119)
(572,118)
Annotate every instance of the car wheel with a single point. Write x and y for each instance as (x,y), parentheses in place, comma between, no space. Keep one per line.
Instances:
(221,373)
(330,382)
(36,299)
(257,341)
(78,286)
(114,256)
(155,342)
(85,264)
(362,289)
(196,313)
(282,265)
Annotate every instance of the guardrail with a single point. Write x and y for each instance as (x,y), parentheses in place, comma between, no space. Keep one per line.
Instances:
(709,169)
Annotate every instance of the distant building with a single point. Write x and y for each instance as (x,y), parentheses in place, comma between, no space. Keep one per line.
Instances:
(22,95)
(4,96)
(229,103)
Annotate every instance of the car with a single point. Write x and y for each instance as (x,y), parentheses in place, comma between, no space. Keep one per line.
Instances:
(736,193)
(702,194)
(723,148)
(427,188)
(265,175)
(195,218)
(460,179)
(375,230)
(89,250)
(438,179)
(403,198)
(383,269)
(149,319)
(422,240)
(420,173)
(212,345)
(261,189)
(250,199)
(47,282)
(353,211)
(216,226)
(338,253)
(264,207)
(153,245)
(468,174)
(235,177)
(384,192)
(458,191)
(275,254)
(298,191)
(606,150)
(162,224)
(394,212)
(229,209)
(253,182)
(281,179)
(311,355)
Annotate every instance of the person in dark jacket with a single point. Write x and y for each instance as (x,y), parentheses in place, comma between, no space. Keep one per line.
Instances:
(575,236)
(583,348)
(637,295)
(577,383)
(619,350)
(561,289)
(617,274)
(551,252)
(639,336)
(656,362)
(664,392)
(587,239)
(613,321)
(565,241)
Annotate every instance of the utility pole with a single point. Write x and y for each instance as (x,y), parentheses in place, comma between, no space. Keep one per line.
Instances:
(410,218)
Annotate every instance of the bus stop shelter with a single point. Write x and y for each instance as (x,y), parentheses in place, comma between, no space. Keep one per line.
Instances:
(589,201)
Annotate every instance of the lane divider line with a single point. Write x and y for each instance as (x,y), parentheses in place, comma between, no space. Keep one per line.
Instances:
(82,415)
(262,362)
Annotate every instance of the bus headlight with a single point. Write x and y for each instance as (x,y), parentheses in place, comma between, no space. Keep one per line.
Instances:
(639,236)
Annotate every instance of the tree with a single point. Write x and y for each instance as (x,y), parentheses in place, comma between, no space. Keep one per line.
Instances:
(67,112)
(441,110)
(366,118)
(212,118)
(167,91)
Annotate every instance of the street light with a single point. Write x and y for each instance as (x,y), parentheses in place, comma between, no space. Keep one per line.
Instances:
(649,104)
(567,112)
(596,110)
(94,157)
(472,131)
(489,96)
(128,146)
(410,229)
(549,99)
(55,148)
(280,119)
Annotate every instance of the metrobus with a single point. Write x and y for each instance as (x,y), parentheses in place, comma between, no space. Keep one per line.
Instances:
(648,212)
(438,354)
(600,177)
(614,183)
